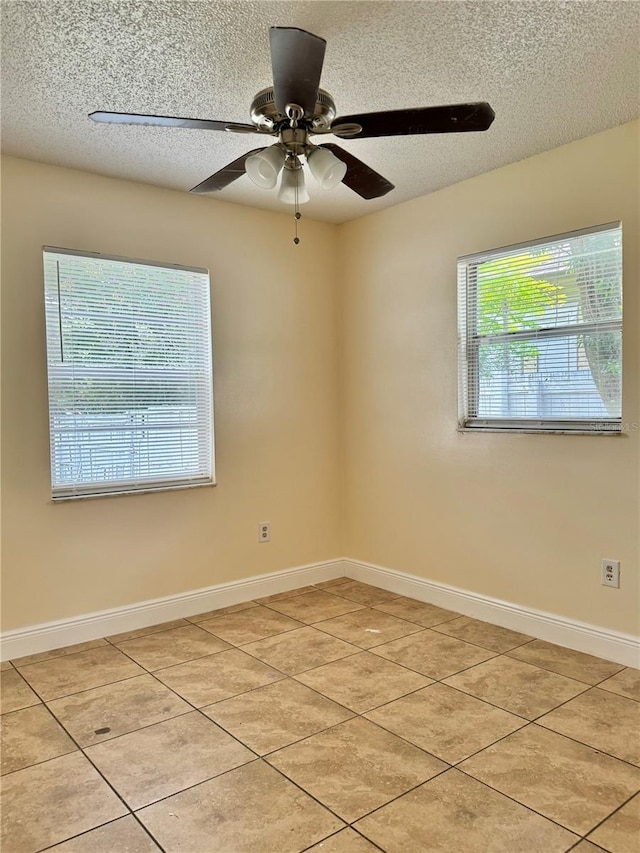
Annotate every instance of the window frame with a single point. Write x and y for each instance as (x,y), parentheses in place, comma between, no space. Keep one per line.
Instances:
(469,341)
(113,487)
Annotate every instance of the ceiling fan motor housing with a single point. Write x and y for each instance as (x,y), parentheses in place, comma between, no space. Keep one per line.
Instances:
(266,117)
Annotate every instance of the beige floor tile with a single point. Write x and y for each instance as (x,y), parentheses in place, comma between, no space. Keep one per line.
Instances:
(368,628)
(218,677)
(82,671)
(314,606)
(355,767)
(588,847)
(115,709)
(168,648)
(602,720)
(299,650)
(222,611)
(345,841)
(425,615)
(48,803)
(168,757)
(447,723)
(624,683)
(621,832)
(516,686)
(432,654)
(247,626)
(567,662)
(124,835)
(5,665)
(331,583)
(453,813)
(274,716)
(59,653)
(483,634)
(281,596)
(15,693)
(145,632)
(557,777)
(363,681)
(31,736)
(364,593)
(249,810)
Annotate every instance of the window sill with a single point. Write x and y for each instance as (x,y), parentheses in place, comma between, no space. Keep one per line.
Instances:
(541,431)
(126,492)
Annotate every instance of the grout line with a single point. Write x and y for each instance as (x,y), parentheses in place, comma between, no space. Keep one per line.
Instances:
(439,630)
(454,615)
(588,746)
(410,790)
(373,843)
(451,687)
(489,702)
(307,794)
(561,674)
(355,650)
(95,687)
(266,755)
(488,745)
(100,826)
(259,639)
(600,686)
(343,829)
(197,784)
(604,820)
(44,760)
(313,627)
(318,626)
(524,805)
(108,739)
(18,666)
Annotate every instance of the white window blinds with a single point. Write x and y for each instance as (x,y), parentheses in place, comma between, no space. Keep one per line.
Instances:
(541,334)
(130,374)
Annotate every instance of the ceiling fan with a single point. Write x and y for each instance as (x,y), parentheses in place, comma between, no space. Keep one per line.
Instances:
(293,109)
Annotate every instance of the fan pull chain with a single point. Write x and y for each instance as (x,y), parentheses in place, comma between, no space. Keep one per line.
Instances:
(296,207)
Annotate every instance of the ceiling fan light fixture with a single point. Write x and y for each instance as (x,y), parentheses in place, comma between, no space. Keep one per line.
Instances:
(291,180)
(326,168)
(263,168)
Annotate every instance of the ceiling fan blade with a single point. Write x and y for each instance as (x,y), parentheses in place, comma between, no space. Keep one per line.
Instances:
(296,62)
(170,121)
(360,178)
(449,119)
(223,177)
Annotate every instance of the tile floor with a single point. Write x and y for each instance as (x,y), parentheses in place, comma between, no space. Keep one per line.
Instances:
(335,719)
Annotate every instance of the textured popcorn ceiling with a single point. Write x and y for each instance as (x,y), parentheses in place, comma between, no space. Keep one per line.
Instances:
(553,72)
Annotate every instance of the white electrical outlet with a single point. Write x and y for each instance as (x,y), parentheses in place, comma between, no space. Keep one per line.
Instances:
(611,573)
(264,531)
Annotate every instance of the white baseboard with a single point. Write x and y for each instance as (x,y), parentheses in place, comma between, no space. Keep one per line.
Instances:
(612,645)
(93,626)
(602,642)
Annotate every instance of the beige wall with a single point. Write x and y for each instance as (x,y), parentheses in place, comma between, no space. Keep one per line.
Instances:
(275,364)
(335,399)
(526,518)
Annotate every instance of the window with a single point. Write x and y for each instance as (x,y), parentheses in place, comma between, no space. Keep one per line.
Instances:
(130,376)
(540,334)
